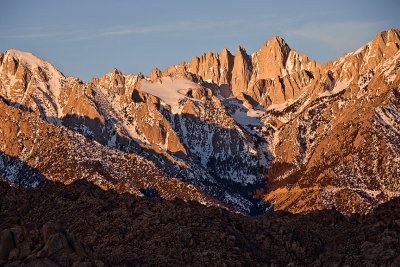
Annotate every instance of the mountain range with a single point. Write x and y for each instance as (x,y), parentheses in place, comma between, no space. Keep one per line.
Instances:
(249,133)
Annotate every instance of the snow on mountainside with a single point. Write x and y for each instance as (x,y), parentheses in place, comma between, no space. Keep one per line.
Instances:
(28,78)
(169,90)
(273,127)
(41,152)
(341,155)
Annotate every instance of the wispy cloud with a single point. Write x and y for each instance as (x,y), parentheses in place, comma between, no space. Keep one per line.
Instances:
(43,33)
(333,36)
(229,26)
(338,36)
(89,34)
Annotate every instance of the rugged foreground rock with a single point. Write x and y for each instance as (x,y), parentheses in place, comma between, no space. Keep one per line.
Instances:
(82,225)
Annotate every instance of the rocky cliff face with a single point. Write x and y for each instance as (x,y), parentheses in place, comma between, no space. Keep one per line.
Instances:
(36,152)
(272,75)
(274,124)
(178,125)
(338,146)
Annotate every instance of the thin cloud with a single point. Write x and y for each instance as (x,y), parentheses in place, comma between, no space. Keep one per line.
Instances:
(338,36)
(89,34)
(224,26)
(134,30)
(42,34)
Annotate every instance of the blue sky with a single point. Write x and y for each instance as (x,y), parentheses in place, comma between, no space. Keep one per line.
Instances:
(88,38)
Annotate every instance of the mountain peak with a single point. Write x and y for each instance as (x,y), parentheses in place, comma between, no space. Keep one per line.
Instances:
(31,60)
(382,47)
(391,35)
(277,41)
(275,58)
(155,75)
(26,57)
(225,51)
(241,50)
(116,71)
(16,52)
(386,39)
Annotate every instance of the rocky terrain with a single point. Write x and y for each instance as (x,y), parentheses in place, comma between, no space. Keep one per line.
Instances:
(82,225)
(244,132)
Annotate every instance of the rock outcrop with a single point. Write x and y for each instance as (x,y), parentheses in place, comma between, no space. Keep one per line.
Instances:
(49,245)
(83,225)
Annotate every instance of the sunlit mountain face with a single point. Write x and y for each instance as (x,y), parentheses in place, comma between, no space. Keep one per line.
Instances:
(250,133)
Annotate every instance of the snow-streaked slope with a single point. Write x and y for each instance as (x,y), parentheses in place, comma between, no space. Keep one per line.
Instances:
(339,87)
(27,78)
(244,115)
(170,90)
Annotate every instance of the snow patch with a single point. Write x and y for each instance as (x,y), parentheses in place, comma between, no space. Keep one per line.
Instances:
(248,116)
(389,117)
(359,50)
(243,114)
(339,86)
(170,90)
(390,68)
(35,62)
(51,89)
(237,201)
(282,106)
